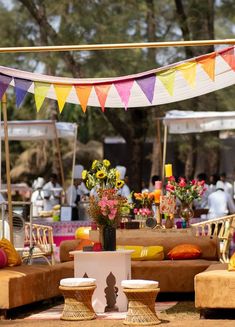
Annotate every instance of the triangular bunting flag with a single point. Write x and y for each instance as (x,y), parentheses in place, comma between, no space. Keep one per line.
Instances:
(40,92)
(168,79)
(188,69)
(83,93)
(124,90)
(147,84)
(208,64)
(228,56)
(4,82)
(21,88)
(102,93)
(62,91)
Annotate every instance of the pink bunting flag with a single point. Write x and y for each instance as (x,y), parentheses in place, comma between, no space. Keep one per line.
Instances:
(147,85)
(102,93)
(4,83)
(124,91)
(228,56)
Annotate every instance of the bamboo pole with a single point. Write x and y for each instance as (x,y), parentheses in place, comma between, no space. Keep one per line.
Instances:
(164,153)
(159,142)
(59,156)
(73,163)
(7,153)
(94,47)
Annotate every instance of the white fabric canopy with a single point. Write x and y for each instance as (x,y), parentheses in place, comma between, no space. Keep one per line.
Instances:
(182,122)
(38,130)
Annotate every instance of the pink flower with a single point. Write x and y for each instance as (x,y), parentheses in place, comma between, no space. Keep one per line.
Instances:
(182,182)
(171,179)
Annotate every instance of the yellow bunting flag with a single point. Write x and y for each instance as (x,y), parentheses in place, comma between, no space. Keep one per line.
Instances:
(208,64)
(83,93)
(188,69)
(102,93)
(62,91)
(40,92)
(167,78)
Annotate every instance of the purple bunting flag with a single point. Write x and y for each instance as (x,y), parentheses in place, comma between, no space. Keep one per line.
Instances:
(21,88)
(4,82)
(147,85)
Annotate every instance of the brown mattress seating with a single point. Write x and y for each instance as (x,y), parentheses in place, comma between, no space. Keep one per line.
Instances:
(30,283)
(215,288)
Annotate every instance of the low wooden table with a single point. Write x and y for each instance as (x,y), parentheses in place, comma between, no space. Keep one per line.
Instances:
(109,268)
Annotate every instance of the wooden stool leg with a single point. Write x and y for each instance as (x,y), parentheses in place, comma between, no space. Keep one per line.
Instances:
(141,307)
(78,304)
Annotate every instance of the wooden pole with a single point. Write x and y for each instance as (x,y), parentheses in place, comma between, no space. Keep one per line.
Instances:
(73,163)
(59,157)
(159,142)
(7,154)
(164,153)
(115,46)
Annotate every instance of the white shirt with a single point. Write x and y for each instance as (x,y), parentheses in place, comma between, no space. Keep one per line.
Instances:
(228,187)
(220,204)
(49,191)
(125,192)
(203,203)
(74,191)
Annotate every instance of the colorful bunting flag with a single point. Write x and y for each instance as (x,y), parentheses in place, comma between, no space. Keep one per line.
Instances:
(21,89)
(62,91)
(147,85)
(4,83)
(40,92)
(167,78)
(124,90)
(102,93)
(208,64)
(83,94)
(188,69)
(228,56)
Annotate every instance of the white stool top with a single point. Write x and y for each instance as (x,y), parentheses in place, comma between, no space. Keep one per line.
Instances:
(72,282)
(139,283)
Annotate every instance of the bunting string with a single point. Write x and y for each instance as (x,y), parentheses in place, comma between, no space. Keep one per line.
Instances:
(176,82)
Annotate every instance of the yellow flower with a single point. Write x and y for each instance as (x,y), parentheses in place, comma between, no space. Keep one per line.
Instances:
(100,174)
(106,163)
(84,174)
(119,183)
(94,163)
(117,174)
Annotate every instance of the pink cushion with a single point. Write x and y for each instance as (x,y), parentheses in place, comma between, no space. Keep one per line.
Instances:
(3,258)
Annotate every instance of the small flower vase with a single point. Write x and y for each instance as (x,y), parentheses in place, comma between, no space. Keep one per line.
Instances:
(109,238)
(186,212)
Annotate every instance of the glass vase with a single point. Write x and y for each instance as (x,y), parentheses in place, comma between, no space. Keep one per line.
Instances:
(186,212)
(109,238)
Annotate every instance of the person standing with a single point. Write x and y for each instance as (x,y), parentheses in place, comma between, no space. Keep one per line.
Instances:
(51,193)
(228,187)
(78,190)
(125,190)
(220,203)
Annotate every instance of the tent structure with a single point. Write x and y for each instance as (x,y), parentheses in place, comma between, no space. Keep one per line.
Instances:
(175,82)
(184,122)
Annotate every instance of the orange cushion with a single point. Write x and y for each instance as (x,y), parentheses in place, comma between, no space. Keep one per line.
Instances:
(185,251)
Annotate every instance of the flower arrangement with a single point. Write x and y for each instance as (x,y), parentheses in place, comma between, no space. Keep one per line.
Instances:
(106,208)
(144,202)
(185,191)
(101,175)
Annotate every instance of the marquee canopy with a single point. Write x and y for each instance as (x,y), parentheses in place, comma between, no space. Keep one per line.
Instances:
(182,122)
(39,130)
(175,82)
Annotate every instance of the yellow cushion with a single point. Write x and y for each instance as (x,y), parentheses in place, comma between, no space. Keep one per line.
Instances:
(144,252)
(13,256)
(231,264)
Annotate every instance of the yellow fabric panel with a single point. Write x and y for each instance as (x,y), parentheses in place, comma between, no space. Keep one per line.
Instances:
(231,264)
(144,252)
(13,256)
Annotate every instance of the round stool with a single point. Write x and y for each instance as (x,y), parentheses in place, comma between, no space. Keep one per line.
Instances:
(77,294)
(141,295)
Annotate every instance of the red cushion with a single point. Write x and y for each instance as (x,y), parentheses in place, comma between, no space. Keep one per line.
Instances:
(3,258)
(184,251)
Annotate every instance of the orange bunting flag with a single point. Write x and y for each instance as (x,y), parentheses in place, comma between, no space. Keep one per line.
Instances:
(102,93)
(188,69)
(40,92)
(167,78)
(228,56)
(83,94)
(62,91)
(208,64)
